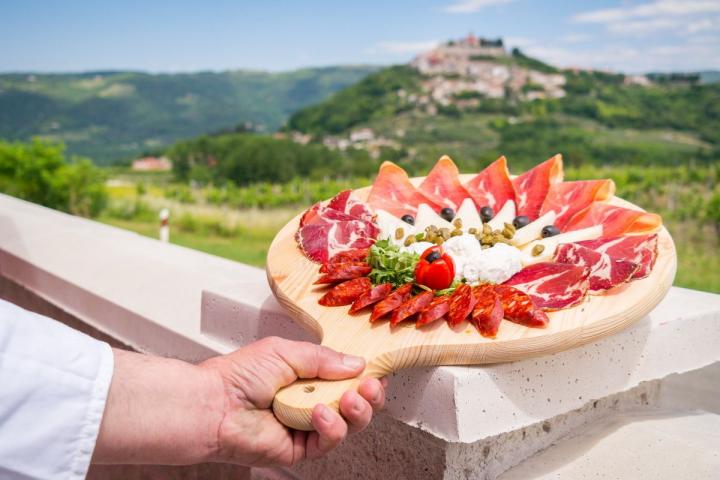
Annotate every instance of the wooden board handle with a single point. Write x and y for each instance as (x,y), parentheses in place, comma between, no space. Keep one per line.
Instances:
(293,405)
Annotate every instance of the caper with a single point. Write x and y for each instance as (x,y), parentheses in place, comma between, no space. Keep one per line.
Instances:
(419,236)
(487,228)
(439,240)
(456,232)
(399,233)
(445,233)
(457,222)
(447,213)
(472,231)
(538,249)
(510,227)
(487,213)
(409,240)
(430,237)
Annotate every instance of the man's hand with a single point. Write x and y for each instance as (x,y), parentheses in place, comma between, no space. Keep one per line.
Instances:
(250,434)
(169,412)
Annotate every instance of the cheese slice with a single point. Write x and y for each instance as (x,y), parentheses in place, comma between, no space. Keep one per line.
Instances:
(505,215)
(533,230)
(388,225)
(426,216)
(469,215)
(551,243)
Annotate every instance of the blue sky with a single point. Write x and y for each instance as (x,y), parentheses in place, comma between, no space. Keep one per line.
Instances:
(172,36)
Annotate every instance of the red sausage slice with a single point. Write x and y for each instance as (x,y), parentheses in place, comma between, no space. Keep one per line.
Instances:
(435,311)
(391,302)
(462,302)
(411,307)
(371,297)
(337,272)
(488,311)
(346,292)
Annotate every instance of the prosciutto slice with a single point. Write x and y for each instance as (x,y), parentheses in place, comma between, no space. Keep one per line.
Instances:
(568,198)
(393,192)
(551,285)
(532,187)
(640,249)
(442,185)
(614,220)
(606,272)
(492,187)
(324,239)
(343,206)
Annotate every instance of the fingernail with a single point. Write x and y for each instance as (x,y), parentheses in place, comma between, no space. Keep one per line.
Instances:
(378,397)
(357,404)
(353,362)
(325,414)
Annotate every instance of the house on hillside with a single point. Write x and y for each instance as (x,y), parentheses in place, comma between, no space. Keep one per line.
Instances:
(152,164)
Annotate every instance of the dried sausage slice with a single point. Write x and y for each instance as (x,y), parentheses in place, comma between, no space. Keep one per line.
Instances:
(346,292)
(391,302)
(435,311)
(462,302)
(337,272)
(518,307)
(411,307)
(488,311)
(372,296)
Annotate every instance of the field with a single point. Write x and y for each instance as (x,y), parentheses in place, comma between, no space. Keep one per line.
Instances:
(239,223)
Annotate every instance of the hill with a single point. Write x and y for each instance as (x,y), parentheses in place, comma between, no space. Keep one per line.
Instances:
(115,115)
(475,101)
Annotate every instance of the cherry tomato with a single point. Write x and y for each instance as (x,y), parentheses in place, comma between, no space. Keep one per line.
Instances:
(435,269)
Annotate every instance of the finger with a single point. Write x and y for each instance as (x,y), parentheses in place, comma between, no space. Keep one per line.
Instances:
(356,411)
(310,361)
(330,430)
(372,390)
(299,443)
(384,382)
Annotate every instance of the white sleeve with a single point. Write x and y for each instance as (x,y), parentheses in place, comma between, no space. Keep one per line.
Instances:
(54,382)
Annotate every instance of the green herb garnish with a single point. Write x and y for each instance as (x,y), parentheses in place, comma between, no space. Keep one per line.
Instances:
(390,265)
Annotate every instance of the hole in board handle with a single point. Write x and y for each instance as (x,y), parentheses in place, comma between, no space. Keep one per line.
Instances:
(309,389)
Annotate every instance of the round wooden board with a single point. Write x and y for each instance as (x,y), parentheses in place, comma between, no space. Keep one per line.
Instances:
(291,276)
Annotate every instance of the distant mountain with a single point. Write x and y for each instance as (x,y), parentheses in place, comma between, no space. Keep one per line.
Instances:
(709,76)
(115,115)
(474,100)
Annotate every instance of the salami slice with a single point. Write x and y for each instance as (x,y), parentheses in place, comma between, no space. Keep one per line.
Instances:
(442,185)
(488,311)
(391,302)
(338,272)
(640,249)
(412,306)
(605,271)
(346,292)
(492,187)
(532,187)
(519,308)
(551,285)
(437,309)
(568,198)
(462,302)
(371,297)
(614,220)
(352,255)
(393,192)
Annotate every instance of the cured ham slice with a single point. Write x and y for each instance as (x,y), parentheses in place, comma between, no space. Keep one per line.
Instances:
(323,240)
(488,311)
(568,198)
(393,192)
(532,187)
(552,286)
(518,307)
(343,206)
(442,185)
(614,220)
(606,272)
(640,249)
(492,187)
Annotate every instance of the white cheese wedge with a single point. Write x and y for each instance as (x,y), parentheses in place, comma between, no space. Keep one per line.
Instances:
(505,215)
(533,230)
(426,216)
(468,214)
(388,225)
(551,243)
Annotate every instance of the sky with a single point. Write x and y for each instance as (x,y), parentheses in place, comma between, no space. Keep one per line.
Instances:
(183,36)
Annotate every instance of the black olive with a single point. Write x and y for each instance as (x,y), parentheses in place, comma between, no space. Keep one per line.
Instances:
(520,221)
(486,214)
(408,219)
(550,231)
(447,213)
(432,256)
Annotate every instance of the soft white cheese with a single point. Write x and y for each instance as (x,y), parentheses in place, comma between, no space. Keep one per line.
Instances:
(460,248)
(388,225)
(469,215)
(417,247)
(505,215)
(426,216)
(496,264)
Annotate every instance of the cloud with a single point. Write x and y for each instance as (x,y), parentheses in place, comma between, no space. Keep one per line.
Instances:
(393,47)
(519,42)
(472,6)
(658,8)
(575,38)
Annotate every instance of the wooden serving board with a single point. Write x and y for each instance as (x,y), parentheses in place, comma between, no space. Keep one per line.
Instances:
(291,276)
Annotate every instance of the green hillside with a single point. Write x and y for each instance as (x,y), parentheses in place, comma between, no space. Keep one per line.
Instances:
(602,119)
(115,115)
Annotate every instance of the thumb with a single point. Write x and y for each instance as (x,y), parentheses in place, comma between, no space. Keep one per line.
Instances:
(309,360)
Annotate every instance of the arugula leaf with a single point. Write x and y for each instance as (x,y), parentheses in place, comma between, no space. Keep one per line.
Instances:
(449,290)
(390,265)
